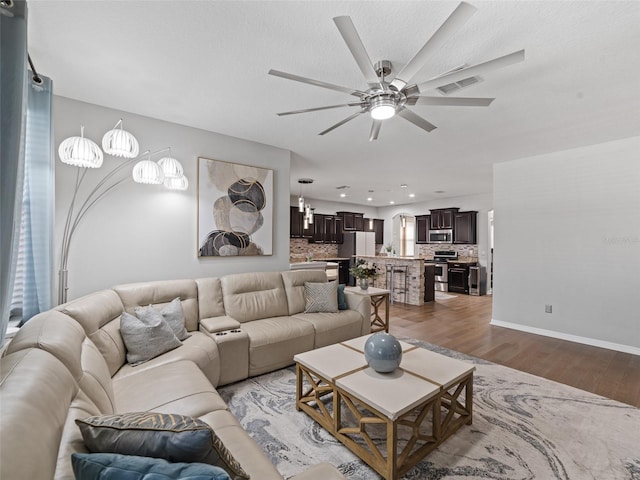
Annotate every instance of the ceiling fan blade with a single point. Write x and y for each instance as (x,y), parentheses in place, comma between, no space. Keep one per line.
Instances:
(417,120)
(356,47)
(342,122)
(453,23)
(375,130)
(450,101)
(479,69)
(317,83)
(315,109)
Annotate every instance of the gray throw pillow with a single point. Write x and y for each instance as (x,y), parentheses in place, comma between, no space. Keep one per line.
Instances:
(173,315)
(321,297)
(146,338)
(174,437)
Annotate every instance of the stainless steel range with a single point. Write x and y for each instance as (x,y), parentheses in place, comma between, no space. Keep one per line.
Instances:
(440,258)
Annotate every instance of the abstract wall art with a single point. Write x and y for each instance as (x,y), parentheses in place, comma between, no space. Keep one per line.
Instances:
(235,209)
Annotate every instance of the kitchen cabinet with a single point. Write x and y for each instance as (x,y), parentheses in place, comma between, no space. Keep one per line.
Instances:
(332,229)
(464,227)
(318,229)
(296,225)
(377,226)
(422,228)
(458,273)
(351,221)
(442,218)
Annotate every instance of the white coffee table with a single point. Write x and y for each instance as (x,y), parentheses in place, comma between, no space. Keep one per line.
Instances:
(391,420)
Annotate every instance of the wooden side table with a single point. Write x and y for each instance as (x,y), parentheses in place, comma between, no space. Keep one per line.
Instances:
(377,296)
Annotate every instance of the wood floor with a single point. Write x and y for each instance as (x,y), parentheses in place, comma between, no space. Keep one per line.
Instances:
(463,324)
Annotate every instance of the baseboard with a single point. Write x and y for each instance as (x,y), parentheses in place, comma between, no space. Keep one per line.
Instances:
(566,336)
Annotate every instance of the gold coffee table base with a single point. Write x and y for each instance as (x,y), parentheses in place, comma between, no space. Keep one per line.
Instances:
(350,420)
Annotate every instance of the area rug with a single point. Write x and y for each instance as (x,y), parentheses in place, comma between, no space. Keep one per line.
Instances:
(524,427)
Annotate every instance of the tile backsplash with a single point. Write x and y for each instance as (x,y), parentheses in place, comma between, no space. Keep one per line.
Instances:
(428,250)
(299,248)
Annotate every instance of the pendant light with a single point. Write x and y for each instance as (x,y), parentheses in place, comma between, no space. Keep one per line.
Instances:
(171,167)
(179,183)
(80,152)
(148,172)
(120,143)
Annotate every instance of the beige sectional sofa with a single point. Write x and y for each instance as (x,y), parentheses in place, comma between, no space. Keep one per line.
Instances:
(70,363)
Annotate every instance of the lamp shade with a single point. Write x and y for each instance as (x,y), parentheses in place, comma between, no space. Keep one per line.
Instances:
(180,183)
(120,143)
(80,152)
(171,167)
(147,172)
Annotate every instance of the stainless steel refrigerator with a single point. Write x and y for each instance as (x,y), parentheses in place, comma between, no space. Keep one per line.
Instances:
(357,243)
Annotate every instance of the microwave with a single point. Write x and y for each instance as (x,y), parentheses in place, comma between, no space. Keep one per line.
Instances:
(441,236)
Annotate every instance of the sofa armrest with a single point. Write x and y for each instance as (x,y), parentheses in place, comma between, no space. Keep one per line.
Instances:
(325,471)
(362,305)
(218,324)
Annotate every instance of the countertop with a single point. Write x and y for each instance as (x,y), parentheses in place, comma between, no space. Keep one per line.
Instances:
(317,259)
(385,257)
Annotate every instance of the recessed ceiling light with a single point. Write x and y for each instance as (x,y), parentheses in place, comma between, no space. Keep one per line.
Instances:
(411,195)
(391,202)
(404,185)
(369,199)
(342,195)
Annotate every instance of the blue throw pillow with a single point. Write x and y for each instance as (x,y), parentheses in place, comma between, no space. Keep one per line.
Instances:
(342,301)
(113,466)
(177,438)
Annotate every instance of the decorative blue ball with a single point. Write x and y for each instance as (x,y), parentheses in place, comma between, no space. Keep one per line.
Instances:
(383,352)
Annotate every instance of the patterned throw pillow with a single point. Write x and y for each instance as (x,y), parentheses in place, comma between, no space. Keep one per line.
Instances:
(173,315)
(147,337)
(176,438)
(112,466)
(321,297)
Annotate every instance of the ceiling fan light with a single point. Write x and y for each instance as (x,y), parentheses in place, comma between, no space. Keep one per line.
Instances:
(120,143)
(148,172)
(80,152)
(171,167)
(382,108)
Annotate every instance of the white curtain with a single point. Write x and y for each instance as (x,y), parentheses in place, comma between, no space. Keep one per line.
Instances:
(13,86)
(36,239)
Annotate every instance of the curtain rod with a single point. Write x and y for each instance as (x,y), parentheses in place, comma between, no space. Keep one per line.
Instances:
(36,78)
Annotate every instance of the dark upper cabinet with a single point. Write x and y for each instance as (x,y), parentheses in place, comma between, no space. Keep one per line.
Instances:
(318,229)
(374,225)
(464,227)
(296,225)
(351,222)
(329,230)
(442,218)
(338,227)
(422,228)
(379,228)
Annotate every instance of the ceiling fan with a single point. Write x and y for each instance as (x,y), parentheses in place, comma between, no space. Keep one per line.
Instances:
(387,98)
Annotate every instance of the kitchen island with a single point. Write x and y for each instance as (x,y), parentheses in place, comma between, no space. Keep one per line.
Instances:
(414,277)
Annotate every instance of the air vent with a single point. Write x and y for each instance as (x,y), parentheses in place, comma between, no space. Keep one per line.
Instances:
(342,187)
(452,87)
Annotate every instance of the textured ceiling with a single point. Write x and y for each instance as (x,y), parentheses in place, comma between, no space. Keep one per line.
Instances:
(205,63)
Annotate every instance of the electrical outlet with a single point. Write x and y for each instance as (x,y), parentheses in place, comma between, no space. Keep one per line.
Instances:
(548,309)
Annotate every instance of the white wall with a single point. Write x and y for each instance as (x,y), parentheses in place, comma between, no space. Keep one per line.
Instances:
(139,232)
(567,233)
(482,203)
